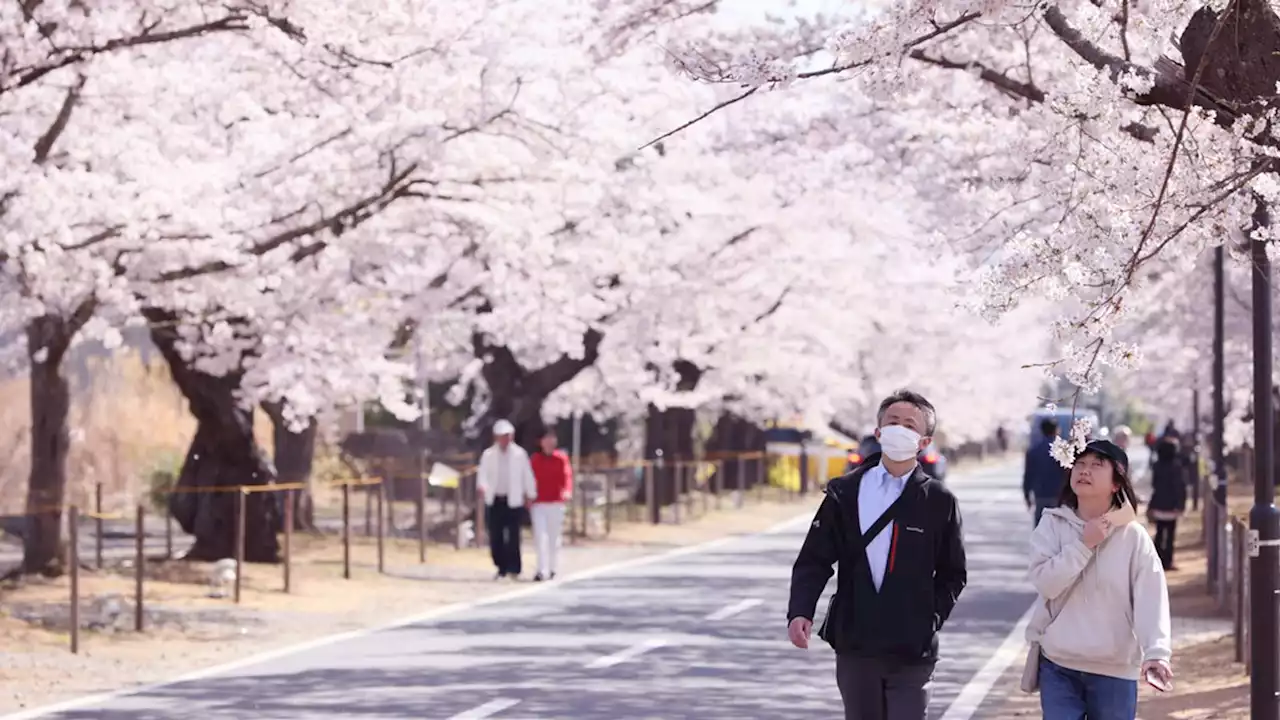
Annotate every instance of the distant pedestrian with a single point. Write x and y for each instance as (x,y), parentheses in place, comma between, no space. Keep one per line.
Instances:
(1121,437)
(1103,619)
(554,475)
(1168,497)
(1042,475)
(884,618)
(1002,439)
(505,482)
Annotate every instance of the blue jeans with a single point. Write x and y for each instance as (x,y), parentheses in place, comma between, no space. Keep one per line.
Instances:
(1075,695)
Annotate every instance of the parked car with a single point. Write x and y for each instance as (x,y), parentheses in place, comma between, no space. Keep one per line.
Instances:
(931,460)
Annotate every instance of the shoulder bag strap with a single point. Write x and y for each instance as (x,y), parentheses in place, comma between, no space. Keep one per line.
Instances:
(1067,595)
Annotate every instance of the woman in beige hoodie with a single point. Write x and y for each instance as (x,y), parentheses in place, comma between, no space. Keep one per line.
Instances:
(1103,619)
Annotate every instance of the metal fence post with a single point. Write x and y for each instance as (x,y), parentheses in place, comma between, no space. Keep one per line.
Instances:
(73,559)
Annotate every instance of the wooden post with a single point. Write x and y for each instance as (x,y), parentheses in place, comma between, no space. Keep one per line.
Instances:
(290,499)
(740,481)
(421,511)
(382,524)
(481,526)
(241,502)
(140,564)
(608,503)
(368,511)
(73,559)
(717,480)
(97,523)
(762,475)
(677,478)
(650,502)
(346,531)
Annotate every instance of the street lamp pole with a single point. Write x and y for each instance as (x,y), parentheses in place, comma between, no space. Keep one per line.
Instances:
(1219,419)
(1264,519)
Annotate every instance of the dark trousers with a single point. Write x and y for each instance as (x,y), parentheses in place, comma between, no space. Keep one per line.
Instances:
(503,523)
(874,689)
(1166,531)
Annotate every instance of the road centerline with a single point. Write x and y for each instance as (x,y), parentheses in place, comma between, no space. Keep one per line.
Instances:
(729,611)
(629,653)
(489,709)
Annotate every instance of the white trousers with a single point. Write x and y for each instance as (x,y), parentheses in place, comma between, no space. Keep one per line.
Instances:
(548,527)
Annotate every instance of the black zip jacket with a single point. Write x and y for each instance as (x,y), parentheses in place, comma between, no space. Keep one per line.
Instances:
(924,575)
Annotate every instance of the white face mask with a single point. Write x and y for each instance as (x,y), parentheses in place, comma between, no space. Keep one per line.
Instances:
(899,443)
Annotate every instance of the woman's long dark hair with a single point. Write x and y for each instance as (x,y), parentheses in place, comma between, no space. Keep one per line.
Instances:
(1119,472)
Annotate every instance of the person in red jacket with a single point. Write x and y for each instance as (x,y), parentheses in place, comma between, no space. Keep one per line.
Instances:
(554,477)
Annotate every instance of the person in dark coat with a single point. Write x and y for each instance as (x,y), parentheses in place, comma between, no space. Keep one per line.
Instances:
(1168,497)
(1042,475)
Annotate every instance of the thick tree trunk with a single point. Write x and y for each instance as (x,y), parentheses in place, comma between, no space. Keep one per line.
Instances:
(48,339)
(671,431)
(731,437)
(517,394)
(223,454)
(293,454)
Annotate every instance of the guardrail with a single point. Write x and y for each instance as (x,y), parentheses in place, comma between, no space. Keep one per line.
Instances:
(649,492)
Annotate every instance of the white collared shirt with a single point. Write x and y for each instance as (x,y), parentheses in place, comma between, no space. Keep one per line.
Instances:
(877,491)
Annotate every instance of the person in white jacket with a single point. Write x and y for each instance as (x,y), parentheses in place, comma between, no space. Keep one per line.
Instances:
(1103,618)
(505,482)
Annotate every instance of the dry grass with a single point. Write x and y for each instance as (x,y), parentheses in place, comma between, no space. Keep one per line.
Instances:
(127,420)
(36,667)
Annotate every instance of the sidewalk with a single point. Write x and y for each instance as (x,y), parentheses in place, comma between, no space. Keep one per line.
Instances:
(188,631)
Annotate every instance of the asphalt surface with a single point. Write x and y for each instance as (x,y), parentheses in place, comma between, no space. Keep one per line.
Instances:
(700,635)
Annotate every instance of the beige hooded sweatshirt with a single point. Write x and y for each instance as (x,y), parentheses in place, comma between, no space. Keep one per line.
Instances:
(1117,617)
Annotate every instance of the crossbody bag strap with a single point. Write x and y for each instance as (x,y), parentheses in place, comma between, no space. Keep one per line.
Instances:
(889,515)
(1067,595)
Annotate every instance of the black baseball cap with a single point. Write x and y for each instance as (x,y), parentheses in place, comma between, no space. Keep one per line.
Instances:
(1109,450)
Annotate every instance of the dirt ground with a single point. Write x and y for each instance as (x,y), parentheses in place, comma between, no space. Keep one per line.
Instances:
(187,630)
(1208,683)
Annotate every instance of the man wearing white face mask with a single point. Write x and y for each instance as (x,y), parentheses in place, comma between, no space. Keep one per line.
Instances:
(895,533)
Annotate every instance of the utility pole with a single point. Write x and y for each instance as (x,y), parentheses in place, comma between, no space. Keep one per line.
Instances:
(1197,481)
(1219,417)
(1264,519)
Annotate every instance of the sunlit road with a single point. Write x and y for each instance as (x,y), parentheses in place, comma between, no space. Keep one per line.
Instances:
(697,635)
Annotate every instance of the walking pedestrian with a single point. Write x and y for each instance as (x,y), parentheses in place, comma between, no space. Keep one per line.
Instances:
(1168,497)
(895,533)
(505,482)
(553,474)
(1103,619)
(1042,475)
(1121,437)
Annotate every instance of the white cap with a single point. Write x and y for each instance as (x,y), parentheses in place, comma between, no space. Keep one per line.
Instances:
(503,427)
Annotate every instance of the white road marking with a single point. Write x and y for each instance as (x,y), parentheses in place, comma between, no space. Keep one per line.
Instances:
(429,616)
(979,686)
(489,709)
(731,610)
(626,654)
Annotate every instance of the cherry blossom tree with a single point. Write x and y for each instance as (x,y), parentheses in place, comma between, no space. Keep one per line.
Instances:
(1068,152)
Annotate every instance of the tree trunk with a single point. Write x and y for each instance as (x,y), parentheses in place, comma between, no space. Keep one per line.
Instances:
(671,431)
(517,394)
(293,454)
(731,437)
(48,339)
(223,454)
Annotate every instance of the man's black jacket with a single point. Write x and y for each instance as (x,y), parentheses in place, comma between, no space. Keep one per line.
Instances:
(923,577)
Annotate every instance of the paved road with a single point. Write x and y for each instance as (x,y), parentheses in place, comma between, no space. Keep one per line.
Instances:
(698,635)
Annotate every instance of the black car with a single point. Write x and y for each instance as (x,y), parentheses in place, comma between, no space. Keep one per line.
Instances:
(932,461)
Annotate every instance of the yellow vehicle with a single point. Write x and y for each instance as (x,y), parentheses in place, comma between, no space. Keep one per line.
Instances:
(825,450)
